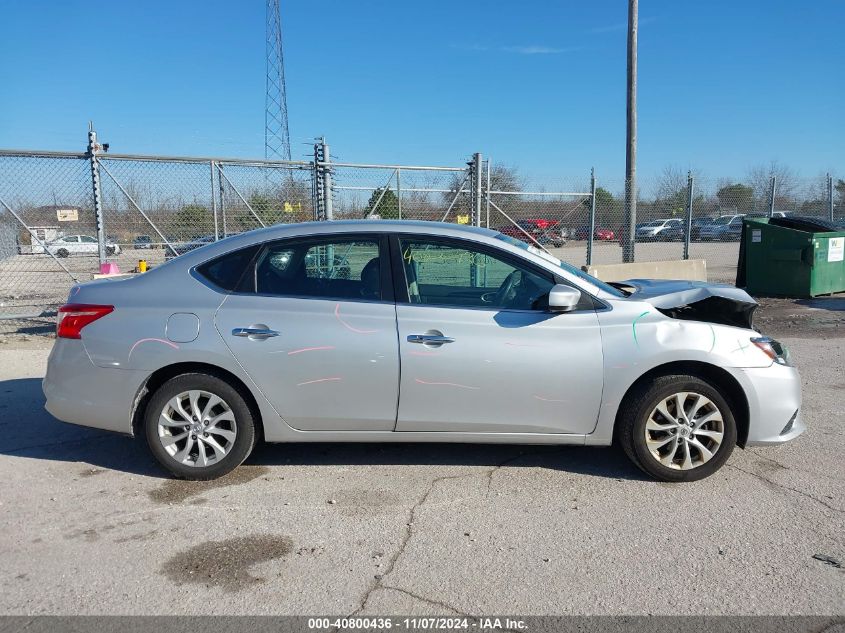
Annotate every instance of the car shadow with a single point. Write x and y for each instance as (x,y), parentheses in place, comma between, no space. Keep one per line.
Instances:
(834,303)
(27,430)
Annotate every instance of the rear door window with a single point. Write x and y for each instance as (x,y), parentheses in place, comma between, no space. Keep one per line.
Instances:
(325,268)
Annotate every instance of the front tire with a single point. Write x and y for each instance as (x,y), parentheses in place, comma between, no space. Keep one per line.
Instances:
(677,428)
(199,427)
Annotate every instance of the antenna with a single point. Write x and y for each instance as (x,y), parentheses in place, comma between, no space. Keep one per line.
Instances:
(276,134)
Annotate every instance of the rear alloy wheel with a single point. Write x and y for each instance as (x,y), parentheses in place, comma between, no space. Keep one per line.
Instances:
(62,252)
(677,429)
(199,427)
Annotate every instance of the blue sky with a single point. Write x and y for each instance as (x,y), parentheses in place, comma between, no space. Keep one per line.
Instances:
(537,85)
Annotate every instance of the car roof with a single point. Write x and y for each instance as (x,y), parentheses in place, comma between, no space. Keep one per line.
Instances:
(279,231)
(309,229)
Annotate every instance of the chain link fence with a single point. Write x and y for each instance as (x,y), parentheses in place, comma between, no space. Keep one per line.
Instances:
(154,208)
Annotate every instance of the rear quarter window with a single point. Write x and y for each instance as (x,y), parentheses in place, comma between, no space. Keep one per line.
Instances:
(226,271)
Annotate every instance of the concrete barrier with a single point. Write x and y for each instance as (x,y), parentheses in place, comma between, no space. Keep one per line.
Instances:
(692,269)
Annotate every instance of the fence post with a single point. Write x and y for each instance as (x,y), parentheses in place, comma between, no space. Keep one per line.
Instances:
(214,201)
(592,232)
(327,182)
(399,191)
(476,189)
(688,223)
(487,197)
(93,148)
(773,189)
(830,197)
(222,201)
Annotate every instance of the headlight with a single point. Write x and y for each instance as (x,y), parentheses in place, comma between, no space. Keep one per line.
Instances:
(774,350)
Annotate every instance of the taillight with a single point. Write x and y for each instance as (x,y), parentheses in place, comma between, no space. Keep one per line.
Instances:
(75,316)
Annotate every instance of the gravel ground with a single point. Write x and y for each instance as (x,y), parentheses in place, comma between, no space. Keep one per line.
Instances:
(89,525)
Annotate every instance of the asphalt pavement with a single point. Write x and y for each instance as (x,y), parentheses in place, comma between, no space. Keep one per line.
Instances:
(90,525)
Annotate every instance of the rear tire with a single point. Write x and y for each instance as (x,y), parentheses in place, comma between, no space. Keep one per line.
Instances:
(672,446)
(199,427)
(62,252)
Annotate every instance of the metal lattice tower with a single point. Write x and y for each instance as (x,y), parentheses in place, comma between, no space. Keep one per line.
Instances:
(276,134)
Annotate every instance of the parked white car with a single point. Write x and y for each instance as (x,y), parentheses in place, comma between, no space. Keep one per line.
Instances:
(658,229)
(79,245)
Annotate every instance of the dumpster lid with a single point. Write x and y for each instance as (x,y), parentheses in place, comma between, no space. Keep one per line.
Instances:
(807,224)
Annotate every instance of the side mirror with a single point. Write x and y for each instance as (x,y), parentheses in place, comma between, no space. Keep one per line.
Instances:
(563,298)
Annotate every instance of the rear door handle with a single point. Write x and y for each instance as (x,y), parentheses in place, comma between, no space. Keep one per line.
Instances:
(430,339)
(254,333)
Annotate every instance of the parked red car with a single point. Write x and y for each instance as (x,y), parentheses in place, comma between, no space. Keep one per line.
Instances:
(542,223)
(600,233)
(511,231)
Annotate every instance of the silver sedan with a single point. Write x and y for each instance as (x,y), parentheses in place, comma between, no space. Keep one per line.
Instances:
(377,331)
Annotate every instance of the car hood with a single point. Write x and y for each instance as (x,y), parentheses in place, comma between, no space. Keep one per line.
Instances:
(695,300)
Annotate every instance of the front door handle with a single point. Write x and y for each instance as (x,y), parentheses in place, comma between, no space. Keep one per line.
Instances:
(430,339)
(254,333)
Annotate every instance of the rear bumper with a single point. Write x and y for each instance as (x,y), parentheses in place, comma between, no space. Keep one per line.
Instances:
(774,404)
(81,393)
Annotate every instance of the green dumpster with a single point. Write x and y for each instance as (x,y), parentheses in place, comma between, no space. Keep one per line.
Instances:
(792,257)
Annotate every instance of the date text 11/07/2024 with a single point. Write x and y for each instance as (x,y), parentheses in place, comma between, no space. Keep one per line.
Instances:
(418,623)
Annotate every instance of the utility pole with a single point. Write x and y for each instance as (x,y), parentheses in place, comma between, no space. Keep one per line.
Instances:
(629,230)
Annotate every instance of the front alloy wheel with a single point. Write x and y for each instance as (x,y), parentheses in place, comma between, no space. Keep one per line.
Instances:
(684,431)
(676,428)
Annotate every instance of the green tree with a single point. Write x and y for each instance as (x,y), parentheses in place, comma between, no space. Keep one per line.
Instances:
(736,196)
(192,221)
(266,207)
(608,208)
(387,207)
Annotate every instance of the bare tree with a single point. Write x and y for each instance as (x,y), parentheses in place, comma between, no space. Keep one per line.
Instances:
(759,178)
(670,195)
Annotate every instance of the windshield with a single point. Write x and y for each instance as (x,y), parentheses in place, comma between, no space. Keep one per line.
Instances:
(725,219)
(655,223)
(567,267)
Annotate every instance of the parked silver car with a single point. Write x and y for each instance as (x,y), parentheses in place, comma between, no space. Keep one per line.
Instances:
(379,331)
(658,229)
(725,228)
